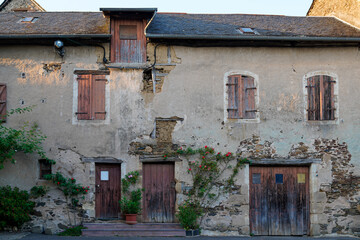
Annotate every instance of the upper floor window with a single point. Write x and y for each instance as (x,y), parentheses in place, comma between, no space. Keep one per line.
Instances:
(241,97)
(320,98)
(91,96)
(128,42)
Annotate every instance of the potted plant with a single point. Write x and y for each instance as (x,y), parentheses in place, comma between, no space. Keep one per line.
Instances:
(188,215)
(130,203)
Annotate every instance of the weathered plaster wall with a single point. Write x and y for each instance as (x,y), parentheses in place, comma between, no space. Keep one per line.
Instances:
(38,76)
(345,10)
(194,90)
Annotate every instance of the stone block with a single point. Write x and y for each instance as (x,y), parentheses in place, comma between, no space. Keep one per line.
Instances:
(37,229)
(239,220)
(316,208)
(315,230)
(244,190)
(319,197)
(244,230)
(318,218)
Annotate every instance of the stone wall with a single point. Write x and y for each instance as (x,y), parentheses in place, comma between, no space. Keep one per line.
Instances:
(348,10)
(30,5)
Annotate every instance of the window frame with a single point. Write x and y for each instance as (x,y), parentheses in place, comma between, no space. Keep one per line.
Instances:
(75,120)
(256,97)
(336,98)
(42,163)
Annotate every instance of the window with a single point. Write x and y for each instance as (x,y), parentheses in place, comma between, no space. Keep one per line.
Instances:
(241,92)
(2,102)
(29,19)
(320,98)
(128,32)
(91,97)
(45,168)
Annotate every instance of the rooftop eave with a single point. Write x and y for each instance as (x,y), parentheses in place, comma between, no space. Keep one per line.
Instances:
(253,38)
(57,36)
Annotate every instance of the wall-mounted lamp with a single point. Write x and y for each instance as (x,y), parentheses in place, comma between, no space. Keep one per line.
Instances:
(59,46)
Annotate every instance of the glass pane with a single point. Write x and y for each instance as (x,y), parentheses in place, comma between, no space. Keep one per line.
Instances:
(279,178)
(104,176)
(256,178)
(128,32)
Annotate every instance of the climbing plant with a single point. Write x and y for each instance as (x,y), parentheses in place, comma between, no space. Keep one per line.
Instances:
(28,139)
(73,192)
(207,170)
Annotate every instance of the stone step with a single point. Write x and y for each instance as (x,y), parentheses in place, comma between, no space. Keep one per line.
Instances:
(136,230)
(134,233)
(95,226)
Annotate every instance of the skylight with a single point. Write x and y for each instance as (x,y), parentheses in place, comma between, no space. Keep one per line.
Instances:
(29,19)
(246,30)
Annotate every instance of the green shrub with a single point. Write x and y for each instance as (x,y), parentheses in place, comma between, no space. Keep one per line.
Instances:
(38,191)
(188,215)
(15,207)
(73,231)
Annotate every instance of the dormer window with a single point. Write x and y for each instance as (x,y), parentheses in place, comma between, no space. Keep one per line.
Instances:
(128,32)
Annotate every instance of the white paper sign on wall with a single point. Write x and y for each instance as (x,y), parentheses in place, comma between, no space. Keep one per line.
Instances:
(104,176)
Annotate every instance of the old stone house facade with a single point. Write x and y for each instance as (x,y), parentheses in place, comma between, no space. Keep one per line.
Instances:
(131,84)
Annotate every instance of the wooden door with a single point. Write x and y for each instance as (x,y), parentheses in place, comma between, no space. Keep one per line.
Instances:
(159,192)
(108,189)
(279,200)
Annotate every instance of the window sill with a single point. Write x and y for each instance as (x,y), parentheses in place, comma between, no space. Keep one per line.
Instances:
(322,122)
(236,120)
(128,65)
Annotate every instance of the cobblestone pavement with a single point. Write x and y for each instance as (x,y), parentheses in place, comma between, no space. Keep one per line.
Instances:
(28,236)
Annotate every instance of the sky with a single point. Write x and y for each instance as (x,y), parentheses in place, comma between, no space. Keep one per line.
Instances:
(274,7)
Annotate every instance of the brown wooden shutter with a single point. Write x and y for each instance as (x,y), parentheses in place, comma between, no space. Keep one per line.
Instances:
(233,96)
(249,97)
(3,103)
(311,89)
(84,96)
(328,98)
(98,99)
(321,105)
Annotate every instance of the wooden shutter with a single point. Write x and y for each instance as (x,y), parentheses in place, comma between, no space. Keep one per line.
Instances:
(233,96)
(3,103)
(249,97)
(98,99)
(321,105)
(328,98)
(84,96)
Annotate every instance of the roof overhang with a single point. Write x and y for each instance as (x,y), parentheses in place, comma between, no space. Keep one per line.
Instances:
(48,39)
(138,13)
(226,40)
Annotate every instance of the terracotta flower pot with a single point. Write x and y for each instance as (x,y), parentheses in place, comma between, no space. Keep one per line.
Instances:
(130,218)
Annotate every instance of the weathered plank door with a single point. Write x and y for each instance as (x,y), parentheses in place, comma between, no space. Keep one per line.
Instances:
(159,192)
(279,200)
(108,189)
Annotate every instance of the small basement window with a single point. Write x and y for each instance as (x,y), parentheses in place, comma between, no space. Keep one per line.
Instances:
(44,167)
(29,19)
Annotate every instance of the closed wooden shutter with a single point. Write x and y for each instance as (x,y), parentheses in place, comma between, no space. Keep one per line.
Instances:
(84,97)
(233,96)
(329,101)
(241,97)
(249,97)
(3,103)
(98,99)
(321,102)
